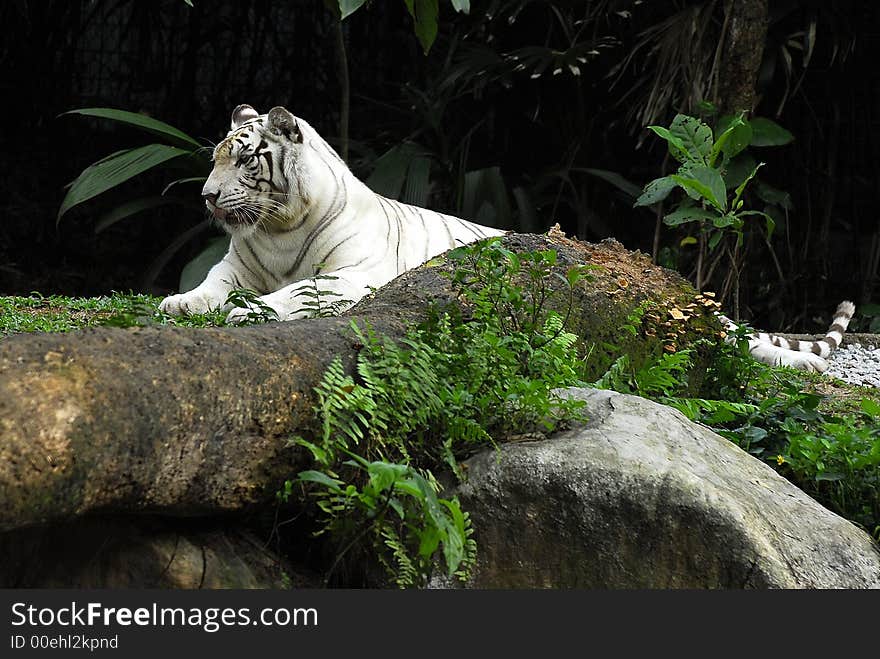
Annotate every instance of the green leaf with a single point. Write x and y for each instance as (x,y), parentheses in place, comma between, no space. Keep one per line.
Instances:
(704,183)
(114,170)
(707,108)
(694,135)
(348,7)
(430,538)
(714,239)
(189,179)
(869,406)
(418,182)
(676,146)
(424,14)
(829,476)
(384,474)
(723,221)
(319,477)
(130,208)
(769,194)
(397,507)
(454,508)
(574,274)
(769,221)
(392,168)
(656,191)
(742,186)
(770,225)
(688,214)
(318,452)
(738,169)
(171,249)
(454,543)
(735,135)
(768,133)
(410,487)
(463,6)
(141,121)
(196,270)
(484,197)
(627,187)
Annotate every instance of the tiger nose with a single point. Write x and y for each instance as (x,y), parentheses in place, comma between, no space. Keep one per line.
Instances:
(210,196)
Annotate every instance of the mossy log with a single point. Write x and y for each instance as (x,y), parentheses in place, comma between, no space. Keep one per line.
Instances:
(186,422)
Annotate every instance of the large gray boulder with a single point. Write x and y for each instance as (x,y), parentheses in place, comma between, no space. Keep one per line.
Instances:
(641,497)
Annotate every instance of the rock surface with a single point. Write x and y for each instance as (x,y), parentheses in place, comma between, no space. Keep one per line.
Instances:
(640,497)
(146,553)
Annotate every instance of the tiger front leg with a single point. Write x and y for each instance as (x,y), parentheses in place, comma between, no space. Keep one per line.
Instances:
(210,295)
(328,294)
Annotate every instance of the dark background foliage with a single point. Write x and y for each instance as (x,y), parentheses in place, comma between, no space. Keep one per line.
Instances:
(514,109)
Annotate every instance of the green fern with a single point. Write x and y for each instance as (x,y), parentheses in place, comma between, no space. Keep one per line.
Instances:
(449,387)
(711,412)
(661,377)
(319,302)
(403,567)
(257,310)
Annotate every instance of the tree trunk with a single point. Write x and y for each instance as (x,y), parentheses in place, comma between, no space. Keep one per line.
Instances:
(185,422)
(746,34)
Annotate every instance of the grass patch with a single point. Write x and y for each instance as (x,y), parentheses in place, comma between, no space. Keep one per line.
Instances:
(57,313)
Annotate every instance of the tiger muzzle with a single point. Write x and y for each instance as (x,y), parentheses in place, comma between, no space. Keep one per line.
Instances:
(230,218)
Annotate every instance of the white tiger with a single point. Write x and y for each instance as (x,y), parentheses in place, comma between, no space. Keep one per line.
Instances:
(291,206)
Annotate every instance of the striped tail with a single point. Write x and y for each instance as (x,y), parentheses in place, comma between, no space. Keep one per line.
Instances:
(805,355)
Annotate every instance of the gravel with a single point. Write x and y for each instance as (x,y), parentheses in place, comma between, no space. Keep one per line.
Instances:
(856,363)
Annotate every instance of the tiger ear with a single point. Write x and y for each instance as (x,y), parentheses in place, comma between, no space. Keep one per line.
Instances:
(241,114)
(281,122)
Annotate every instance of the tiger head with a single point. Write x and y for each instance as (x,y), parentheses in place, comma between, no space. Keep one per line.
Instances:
(255,183)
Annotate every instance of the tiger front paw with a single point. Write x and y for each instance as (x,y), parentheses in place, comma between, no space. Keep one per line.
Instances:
(193,302)
(255,312)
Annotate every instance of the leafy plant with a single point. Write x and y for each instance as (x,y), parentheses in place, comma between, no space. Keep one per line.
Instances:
(456,121)
(868,319)
(835,459)
(392,505)
(424,14)
(771,413)
(659,378)
(119,167)
(454,384)
(714,171)
(257,310)
(838,462)
(178,154)
(320,301)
